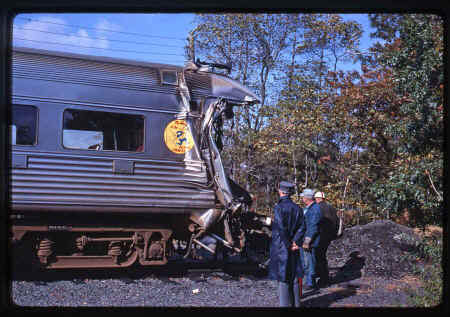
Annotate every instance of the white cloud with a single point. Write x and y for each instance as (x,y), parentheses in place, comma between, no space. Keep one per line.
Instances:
(103,31)
(97,35)
(46,30)
(44,25)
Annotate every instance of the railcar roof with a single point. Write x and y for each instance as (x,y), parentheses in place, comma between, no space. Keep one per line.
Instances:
(103,59)
(217,77)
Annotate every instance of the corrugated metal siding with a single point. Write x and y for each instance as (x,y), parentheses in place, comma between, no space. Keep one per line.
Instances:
(70,181)
(73,70)
(88,183)
(200,84)
(99,73)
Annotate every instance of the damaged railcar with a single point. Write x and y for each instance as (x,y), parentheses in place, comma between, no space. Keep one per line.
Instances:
(115,162)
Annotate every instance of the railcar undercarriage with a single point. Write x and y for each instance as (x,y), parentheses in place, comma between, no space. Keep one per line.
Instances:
(60,246)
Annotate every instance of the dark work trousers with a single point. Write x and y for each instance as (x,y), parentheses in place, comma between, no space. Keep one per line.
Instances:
(321,270)
(289,293)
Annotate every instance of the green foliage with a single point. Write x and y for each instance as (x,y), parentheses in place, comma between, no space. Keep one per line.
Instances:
(414,54)
(372,140)
(431,274)
(427,254)
(254,45)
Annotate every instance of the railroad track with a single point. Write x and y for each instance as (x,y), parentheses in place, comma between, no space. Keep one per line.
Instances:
(172,269)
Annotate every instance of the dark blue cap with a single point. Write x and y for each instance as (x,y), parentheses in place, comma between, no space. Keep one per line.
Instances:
(287,187)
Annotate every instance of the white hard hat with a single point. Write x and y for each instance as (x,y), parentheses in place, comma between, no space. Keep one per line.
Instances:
(319,195)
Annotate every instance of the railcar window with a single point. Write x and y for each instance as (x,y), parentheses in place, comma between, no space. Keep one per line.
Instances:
(24,123)
(107,131)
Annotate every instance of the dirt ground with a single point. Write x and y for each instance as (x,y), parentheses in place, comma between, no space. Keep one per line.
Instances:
(370,291)
(373,266)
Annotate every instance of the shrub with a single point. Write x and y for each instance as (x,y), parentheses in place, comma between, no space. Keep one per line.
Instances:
(431,273)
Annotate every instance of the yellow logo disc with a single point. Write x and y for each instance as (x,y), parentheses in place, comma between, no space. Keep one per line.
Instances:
(177,137)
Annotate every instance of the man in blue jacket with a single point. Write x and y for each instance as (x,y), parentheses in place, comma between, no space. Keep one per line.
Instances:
(285,262)
(309,238)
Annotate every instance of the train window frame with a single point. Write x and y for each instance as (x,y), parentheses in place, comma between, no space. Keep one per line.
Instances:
(163,81)
(136,115)
(36,128)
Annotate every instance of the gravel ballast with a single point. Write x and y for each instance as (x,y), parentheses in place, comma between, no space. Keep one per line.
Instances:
(369,266)
(214,290)
(217,289)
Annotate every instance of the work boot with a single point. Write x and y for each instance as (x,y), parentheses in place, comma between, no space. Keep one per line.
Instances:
(322,283)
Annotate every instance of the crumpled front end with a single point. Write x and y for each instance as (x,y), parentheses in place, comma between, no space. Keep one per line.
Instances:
(224,94)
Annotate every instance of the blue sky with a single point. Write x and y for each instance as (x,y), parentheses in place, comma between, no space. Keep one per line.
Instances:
(146,37)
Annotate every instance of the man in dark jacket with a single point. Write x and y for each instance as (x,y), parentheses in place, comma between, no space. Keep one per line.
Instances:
(285,264)
(328,228)
(309,237)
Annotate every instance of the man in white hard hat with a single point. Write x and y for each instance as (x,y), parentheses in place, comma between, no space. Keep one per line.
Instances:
(328,228)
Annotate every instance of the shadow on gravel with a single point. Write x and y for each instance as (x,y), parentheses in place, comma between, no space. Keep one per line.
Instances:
(193,271)
(351,270)
(327,299)
(79,275)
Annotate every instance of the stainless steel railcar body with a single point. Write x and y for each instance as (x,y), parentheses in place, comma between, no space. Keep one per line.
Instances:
(116,147)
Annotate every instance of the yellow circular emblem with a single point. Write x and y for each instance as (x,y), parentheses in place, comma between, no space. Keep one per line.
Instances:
(177,137)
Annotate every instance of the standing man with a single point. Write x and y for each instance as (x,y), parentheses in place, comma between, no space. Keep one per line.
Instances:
(328,228)
(285,263)
(309,237)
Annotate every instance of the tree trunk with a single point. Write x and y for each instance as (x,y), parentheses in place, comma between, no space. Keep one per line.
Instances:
(341,218)
(295,169)
(306,171)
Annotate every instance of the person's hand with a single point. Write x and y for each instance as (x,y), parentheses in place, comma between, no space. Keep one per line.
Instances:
(294,246)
